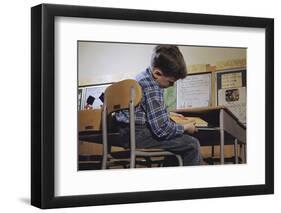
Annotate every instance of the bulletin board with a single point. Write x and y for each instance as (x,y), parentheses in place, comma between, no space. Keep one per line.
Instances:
(95,91)
(231,91)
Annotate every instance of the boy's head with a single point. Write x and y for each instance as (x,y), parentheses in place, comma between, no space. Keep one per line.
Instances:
(168,65)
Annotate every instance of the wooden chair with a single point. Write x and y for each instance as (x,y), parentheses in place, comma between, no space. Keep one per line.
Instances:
(126,94)
(90,151)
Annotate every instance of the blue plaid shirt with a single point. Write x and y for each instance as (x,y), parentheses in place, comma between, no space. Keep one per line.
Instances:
(152,110)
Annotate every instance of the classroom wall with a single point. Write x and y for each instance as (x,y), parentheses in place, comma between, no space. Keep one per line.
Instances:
(109,62)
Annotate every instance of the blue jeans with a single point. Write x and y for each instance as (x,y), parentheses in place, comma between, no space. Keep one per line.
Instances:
(186,145)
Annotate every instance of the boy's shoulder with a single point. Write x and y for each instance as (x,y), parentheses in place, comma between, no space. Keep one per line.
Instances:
(146,81)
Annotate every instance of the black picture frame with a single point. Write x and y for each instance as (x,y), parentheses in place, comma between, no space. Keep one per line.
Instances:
(43,102)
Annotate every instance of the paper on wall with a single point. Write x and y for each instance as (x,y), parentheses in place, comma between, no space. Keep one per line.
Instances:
(231,80)
(194,91)
(235,100)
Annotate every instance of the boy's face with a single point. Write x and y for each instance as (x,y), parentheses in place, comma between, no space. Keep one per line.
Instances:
(162,80)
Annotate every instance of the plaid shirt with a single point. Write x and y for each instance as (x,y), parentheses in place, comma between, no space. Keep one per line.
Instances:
(152,110)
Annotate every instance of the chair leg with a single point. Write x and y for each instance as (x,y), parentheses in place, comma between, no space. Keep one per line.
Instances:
(180,160)
(104,137)
(133,159)
(132,163)
(104,160)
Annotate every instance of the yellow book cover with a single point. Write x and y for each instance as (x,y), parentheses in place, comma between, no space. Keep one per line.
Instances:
(198,122)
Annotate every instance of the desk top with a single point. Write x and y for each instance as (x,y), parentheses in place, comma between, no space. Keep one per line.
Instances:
(206,110)
(202,109)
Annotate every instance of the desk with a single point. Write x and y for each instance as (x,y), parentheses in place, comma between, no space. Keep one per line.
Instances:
(223,128)
(96,137)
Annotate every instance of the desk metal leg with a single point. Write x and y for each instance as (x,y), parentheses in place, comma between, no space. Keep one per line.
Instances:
(221,137)
(236,150)
(245,153)
(104,139)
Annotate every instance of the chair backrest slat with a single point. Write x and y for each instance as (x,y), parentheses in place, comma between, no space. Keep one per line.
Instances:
(118,95)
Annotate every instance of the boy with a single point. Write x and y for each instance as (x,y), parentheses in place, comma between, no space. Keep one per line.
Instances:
(153,125)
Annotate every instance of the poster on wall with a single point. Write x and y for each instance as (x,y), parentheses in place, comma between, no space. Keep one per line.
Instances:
(231,92)
(79,101)
(93,96)
(194,91)
(170,97)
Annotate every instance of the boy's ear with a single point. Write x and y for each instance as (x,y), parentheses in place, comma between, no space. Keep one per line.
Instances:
(157,73)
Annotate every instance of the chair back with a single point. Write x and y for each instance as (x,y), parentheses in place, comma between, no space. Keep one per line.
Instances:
(120,94)
(89,120)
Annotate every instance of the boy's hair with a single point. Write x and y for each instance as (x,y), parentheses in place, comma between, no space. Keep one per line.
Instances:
(169,60)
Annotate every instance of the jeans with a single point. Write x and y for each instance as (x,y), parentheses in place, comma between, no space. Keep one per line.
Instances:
(186,146)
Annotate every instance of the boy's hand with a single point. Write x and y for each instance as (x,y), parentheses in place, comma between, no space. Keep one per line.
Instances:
(190,128)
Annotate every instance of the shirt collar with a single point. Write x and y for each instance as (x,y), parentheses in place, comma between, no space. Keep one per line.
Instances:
(150,76)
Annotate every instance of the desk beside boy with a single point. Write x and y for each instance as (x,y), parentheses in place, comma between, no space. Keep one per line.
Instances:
(154,128)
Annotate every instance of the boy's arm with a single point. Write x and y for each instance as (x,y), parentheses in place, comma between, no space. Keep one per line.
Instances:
(158,117)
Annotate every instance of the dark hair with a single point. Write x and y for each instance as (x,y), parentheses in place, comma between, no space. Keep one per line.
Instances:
(169,60)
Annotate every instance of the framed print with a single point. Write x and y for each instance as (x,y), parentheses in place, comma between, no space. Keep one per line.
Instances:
(85,60)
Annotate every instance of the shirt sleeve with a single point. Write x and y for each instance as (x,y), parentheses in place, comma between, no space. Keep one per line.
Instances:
(158,117)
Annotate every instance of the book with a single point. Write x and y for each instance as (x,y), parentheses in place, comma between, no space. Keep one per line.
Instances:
(198,122)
